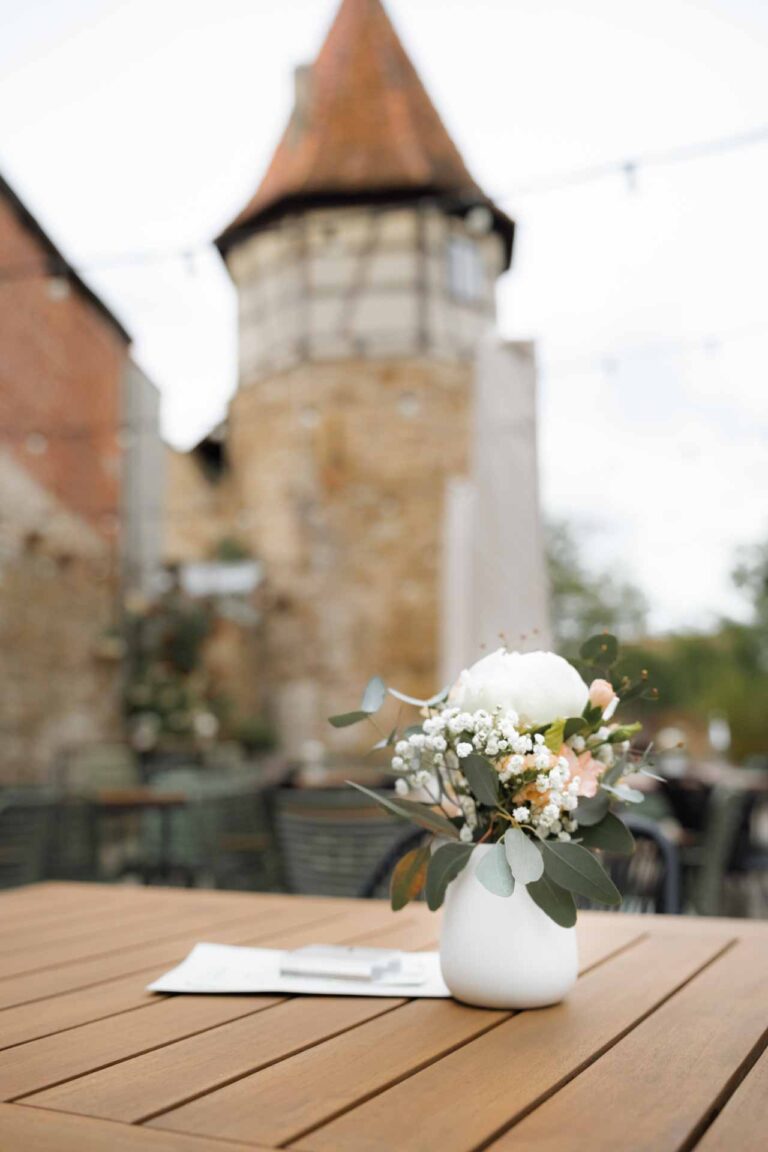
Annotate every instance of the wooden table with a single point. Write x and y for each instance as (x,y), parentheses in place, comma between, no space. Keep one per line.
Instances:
(660,1046)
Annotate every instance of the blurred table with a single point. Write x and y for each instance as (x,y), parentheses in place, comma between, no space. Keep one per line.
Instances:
(660,1046)
(121,801)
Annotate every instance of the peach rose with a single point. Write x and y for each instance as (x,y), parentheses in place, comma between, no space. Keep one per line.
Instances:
(601,694)
(586,768)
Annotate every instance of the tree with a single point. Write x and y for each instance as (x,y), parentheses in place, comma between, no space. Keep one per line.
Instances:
(584,602)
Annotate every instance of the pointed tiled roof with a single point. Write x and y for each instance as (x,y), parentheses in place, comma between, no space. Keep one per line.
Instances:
(364,128)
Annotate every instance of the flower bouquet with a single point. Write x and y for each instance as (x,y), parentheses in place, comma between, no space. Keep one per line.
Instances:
(516,769)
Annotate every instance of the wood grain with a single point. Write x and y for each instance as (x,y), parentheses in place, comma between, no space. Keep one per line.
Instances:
(47,1016)
(516,1064)
(660,1046)
(667,1077)
(29,1130)
(136,1089)
(743,1123)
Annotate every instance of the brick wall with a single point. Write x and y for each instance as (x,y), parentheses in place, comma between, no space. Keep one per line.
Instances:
(61,365)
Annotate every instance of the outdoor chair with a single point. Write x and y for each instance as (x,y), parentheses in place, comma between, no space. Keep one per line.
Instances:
(25,825)
(730,875)
(331,839)
(649,879)
(378,880)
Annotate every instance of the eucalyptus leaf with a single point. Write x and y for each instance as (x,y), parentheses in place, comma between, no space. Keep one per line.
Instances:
(387,742)
(558,904)
(611,835)
(409,876)
(575,869)
(652,775)
(592,809)
(374,696)
(592,715)
(625,793)
(420,814)
(626,732)
(524,858)
(346,719)
(482,778)
(494,872)
(444,865)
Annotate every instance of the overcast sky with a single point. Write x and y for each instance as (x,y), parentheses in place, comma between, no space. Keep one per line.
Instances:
(144,125)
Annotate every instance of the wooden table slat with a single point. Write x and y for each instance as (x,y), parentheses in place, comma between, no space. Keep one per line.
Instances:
(31,1130)
(507,1070)
(226,928)
(660,1047)
(137,1089)
(83,1006)
(743,1123)
(60,1057)
(685,1058)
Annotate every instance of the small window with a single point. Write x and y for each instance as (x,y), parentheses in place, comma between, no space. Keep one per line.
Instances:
(465,270)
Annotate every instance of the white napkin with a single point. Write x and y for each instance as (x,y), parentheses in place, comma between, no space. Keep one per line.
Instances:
(211,968)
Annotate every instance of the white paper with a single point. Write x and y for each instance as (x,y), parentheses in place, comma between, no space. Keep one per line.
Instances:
(224,968)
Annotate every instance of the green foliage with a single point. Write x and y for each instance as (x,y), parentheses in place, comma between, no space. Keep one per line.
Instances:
(523,856)
(585,602)
(409,876)
(482,778)
(444,865)
(230,550)
(494,873)
(592,809)
(574,868)
(558,904)
(256,734)
(420,814)
(611,835)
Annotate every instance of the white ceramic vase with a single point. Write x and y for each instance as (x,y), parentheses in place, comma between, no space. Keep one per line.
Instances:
(503,951)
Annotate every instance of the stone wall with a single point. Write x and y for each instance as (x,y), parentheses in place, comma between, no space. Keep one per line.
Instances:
(339,473)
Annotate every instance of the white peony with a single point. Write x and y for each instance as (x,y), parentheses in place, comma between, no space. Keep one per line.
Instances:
(539,686)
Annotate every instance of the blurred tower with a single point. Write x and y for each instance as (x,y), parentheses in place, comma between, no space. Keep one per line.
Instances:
(365,266)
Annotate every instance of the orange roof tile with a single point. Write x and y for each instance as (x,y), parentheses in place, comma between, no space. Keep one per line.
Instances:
(365,127)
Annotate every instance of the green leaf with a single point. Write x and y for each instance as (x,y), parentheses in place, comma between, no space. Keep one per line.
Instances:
(592,809)
(602,650)
(412,730)
(494,872)
(652,775)
(554,736)
(409,876)
(611,834)
(619,735)
(577,870)
(347,718)
(482,778)
(573,725)
(420,814)
(625,793)
(444,865)
(523,857)
(374,696)
(592,715)
(558,904)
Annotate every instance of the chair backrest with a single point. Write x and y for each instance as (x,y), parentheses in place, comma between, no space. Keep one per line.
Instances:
(25,826)
(97,767)
(649,879)
(725,839)
(331,839)
(378,880)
